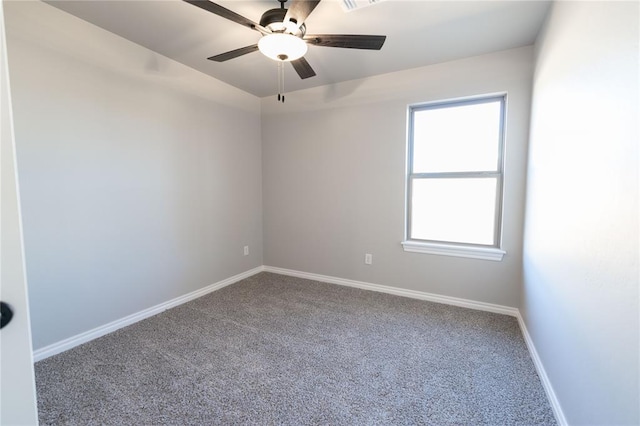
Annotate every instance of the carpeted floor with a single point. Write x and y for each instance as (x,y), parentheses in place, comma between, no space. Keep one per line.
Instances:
(273,350)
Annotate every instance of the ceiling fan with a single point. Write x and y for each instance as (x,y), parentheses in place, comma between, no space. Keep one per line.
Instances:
(284,34)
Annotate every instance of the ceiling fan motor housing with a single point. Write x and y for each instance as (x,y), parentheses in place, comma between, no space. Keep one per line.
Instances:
(273,19)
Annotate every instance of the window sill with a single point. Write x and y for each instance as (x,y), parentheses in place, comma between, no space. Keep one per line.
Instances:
(471,252)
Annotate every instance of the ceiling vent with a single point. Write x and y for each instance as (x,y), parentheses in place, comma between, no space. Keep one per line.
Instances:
(349,5)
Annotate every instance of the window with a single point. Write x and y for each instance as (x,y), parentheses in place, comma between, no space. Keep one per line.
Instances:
(455,178)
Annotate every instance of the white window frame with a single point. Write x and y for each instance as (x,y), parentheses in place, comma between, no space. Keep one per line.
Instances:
(475,251)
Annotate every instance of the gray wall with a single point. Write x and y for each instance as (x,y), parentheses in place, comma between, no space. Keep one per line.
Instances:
(140,178)
(580,299)
(334,178)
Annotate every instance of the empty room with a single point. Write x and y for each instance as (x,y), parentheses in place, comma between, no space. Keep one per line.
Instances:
(336,212)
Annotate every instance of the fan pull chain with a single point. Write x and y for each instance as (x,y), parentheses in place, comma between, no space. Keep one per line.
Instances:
(280,82)
(279,67)
(282,78)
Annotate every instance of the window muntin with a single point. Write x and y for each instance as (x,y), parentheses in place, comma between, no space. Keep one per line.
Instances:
(455,174)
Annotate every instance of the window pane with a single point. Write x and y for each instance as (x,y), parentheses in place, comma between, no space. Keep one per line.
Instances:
(454,210)
(457,138)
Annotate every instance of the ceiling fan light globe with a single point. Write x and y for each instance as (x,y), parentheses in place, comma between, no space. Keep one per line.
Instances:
(282,47)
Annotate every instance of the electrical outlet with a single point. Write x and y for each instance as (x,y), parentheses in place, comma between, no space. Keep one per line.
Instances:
(246,250)
(368,258)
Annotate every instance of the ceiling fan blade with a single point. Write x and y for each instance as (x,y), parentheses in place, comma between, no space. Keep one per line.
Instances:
(353,41)
(303,68)
(299,10)
(234,53)
(227,14)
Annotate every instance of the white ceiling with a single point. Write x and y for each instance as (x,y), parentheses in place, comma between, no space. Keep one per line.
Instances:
(419,33)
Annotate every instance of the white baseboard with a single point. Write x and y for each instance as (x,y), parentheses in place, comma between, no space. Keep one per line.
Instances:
(465,303)
(81,338)
(542,373)
(431,297)
(87,336)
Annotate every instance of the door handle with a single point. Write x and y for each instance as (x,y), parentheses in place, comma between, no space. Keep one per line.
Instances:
(5,314)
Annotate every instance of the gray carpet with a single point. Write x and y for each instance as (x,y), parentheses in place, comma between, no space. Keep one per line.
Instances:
(273,350)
